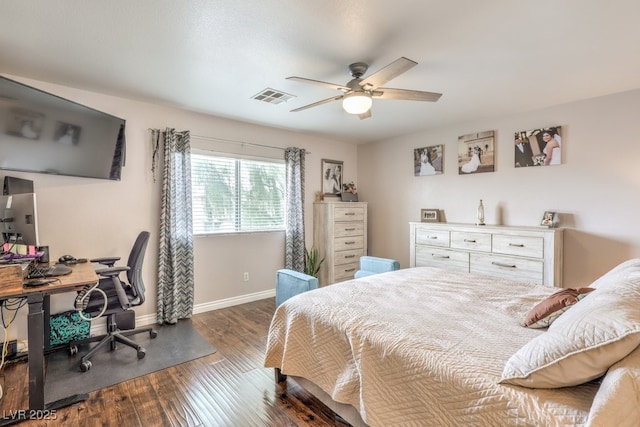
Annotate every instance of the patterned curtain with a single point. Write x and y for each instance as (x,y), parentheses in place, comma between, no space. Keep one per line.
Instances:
(294,208)
(175,261)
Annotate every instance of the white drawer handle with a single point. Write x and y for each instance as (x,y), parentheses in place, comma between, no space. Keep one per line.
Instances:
(517,245)
(350,243)
(469,241)
(349,270)
(349,229)
(349,256)
(440,256)
(499,264)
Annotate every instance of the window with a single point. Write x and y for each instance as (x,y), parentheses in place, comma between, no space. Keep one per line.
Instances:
(236,194)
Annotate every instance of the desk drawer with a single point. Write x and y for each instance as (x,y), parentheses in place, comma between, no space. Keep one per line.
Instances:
(428,256)
(520,269)
(518,245)
(432,237)
(353,213)
(355,228)
(471,241)
(346,257)
(348,243)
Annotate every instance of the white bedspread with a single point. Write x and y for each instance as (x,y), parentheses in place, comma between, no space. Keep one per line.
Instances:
(421,346)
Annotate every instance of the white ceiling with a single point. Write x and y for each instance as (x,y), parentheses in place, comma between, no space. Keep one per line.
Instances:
(488,58)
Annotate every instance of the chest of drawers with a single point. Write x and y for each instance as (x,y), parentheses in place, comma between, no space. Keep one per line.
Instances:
(531,254)
(340,235)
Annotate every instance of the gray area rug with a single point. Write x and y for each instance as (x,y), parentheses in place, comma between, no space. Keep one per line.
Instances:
(174,344)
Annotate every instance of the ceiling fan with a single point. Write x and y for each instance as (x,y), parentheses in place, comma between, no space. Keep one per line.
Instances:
(358,93)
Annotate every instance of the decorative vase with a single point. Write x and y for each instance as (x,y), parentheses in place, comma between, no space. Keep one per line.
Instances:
(480,214)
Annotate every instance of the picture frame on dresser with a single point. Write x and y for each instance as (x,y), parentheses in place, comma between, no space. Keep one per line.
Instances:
(429,215)
(332,171)
(549,219)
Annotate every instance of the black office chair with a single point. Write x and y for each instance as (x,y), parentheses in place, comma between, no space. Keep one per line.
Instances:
(120,297)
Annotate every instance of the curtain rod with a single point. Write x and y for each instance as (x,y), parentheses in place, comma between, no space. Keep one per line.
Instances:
(231,141)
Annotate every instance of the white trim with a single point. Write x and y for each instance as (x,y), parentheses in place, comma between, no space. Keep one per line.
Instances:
(98,328)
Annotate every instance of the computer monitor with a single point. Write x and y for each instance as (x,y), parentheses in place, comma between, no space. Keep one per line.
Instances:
(18,219)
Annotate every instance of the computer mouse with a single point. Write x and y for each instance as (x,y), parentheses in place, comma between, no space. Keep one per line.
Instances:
(67,258)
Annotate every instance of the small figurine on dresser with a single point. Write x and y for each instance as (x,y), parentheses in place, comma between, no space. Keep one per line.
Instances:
(349,192)
(480,214)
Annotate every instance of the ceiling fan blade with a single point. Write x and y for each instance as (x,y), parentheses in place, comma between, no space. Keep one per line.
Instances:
(319,83)
(387,73)
(409,95)
(315,104)
(365,115)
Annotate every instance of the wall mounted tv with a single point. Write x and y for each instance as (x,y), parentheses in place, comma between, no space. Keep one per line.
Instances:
(44,133)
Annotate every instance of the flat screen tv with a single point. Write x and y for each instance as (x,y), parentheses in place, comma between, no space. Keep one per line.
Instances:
(44,133)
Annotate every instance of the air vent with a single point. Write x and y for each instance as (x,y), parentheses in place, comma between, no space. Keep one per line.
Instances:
(272,96)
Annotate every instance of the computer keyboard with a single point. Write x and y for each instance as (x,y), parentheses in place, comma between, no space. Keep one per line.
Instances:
(36,271)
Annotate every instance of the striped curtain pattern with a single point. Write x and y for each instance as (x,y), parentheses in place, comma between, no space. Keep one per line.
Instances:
(175,259)
(294,209)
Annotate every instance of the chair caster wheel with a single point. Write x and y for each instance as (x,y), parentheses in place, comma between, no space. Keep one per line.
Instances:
(73,350)
(153,333)
(85,366)
(142,353)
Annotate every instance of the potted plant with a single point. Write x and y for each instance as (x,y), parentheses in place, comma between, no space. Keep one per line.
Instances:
(312,262)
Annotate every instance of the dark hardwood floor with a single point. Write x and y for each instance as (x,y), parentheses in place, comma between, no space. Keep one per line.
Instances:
(227,388)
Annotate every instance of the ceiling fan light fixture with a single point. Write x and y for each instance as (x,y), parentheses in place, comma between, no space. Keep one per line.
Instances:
(357,102)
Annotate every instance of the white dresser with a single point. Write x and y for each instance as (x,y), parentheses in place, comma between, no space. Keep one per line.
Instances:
(531,254)
(340,235)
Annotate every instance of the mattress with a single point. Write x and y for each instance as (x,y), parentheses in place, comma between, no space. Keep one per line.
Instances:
(421,346)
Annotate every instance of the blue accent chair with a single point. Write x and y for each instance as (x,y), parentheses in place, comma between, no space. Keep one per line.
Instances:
(370,265)
(290,283)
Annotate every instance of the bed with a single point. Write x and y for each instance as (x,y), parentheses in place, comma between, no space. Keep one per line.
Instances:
(427,346)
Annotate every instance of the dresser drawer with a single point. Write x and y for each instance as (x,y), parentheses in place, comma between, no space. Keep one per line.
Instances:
(471,241)
(342,229)
(346,257)
(353,213)
(520,269)
(345,272)
(432,237)
(428,256)
(518,245)
(347,243)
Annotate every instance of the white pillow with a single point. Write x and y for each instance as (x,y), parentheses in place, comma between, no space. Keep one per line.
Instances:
(585,341)
(617,401)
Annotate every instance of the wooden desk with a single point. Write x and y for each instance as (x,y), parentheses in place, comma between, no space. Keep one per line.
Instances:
(37,324)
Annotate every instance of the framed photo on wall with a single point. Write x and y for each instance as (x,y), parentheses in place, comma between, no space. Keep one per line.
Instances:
(476,153)
(428,160)
(331,177)
(538,147)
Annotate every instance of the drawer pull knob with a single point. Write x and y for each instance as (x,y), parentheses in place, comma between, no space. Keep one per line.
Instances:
(517,245)
(349,229)
(469,241)
(349,256)
(349,243)
(349,270)
(440,256)
(500,264)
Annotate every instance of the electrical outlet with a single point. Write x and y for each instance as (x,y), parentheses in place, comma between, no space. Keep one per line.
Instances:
(245,276)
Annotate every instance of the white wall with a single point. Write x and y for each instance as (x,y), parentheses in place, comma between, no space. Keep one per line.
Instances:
(90,218)
(595,190)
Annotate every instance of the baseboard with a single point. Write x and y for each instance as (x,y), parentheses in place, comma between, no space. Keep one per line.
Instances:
(151,319)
